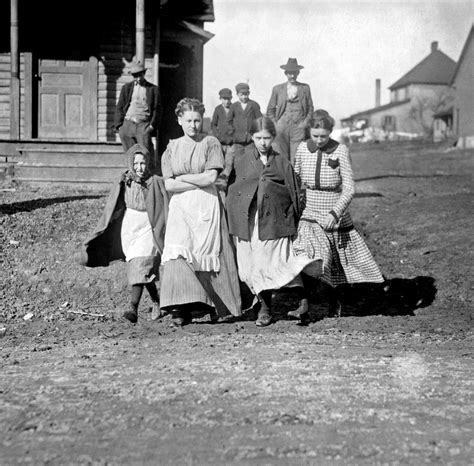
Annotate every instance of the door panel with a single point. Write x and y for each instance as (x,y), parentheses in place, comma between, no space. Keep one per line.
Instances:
(64,98)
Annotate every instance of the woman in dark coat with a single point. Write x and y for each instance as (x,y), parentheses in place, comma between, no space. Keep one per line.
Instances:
(263,211)
(132,228)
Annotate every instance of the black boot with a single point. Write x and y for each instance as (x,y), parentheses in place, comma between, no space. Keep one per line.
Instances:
(335,306)
(265,313)
(132,314)
(301,312)
(180,316)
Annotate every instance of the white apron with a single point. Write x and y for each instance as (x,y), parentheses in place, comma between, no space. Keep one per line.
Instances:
(193,229)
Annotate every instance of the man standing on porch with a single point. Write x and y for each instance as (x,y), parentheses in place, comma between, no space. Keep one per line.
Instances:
(290,108)
(138,112)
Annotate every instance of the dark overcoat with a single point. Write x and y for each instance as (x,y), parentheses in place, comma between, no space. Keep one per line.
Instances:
(104,244)
(240,120)
(220,126)
(153,101)
(275,188)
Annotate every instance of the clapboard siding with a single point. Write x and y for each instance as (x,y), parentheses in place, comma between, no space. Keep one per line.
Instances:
(5,95)
(116,54)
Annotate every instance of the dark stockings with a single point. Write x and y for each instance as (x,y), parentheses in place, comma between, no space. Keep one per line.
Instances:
(137,291)
(136,296)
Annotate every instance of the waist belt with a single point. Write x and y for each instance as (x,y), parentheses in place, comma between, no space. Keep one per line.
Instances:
(311,220)
(337,189)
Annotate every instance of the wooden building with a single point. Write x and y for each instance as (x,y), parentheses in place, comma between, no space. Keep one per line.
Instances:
(414,99)
(62,66)
(463,89)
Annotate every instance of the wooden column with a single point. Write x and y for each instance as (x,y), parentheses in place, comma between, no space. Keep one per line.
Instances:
(140,31)
(156,80)
(156,53)
(15,72)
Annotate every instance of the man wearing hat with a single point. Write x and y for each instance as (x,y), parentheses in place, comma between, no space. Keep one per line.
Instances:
(222,130)
(290,108)
(240,117)
(138,112)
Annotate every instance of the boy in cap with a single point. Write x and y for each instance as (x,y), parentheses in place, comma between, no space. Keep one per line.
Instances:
(138,112)
(240,117)
(223,132)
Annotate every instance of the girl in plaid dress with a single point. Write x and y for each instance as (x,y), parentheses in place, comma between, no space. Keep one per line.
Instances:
(325,229)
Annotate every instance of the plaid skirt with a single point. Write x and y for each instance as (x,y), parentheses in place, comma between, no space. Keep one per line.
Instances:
(346,257)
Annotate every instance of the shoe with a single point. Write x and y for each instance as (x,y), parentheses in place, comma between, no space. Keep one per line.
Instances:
(180,317)
(301,311)
(264,318)
(131,316)
(335,309)
(213,317)
(156,312)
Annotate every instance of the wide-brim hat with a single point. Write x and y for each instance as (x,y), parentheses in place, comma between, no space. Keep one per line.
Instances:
(291,65)
(137,68)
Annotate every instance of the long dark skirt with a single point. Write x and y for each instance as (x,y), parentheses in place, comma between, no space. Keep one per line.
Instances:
(180,284)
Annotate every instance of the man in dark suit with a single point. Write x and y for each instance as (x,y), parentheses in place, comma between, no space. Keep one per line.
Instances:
(138,111)
(290,108)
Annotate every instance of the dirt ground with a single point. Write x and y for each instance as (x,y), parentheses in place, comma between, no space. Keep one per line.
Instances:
(391,382)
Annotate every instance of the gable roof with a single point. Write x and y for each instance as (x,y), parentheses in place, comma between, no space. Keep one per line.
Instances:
(470,38)
(436,68)
(380,108)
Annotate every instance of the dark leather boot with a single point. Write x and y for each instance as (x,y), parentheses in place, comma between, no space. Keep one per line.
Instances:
(180,316)
(131,315)
(335,306)
(301,312)
(264,314)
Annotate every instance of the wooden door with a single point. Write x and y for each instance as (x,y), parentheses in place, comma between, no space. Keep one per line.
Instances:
(67,96)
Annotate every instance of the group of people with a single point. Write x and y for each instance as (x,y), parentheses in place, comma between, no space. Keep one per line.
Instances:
(263,203)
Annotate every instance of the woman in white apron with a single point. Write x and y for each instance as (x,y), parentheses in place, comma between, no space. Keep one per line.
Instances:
(198,263)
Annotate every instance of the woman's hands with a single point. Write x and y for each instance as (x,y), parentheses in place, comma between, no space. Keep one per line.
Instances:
(329,222)
(190,181)
(200,180)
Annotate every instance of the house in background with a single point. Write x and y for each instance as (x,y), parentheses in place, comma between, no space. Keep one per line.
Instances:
(463,89)
(414,99)
(62,66)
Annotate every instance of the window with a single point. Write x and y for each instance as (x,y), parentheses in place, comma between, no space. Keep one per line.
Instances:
(389,123)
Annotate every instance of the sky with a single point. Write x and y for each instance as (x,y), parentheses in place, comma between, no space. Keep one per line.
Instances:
(344,46)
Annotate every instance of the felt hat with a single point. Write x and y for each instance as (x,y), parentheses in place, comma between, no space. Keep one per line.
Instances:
(225,93)
(242,87)
(137,68)
(291,65)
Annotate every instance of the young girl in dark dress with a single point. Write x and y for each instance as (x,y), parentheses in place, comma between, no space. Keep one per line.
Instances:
(132,228)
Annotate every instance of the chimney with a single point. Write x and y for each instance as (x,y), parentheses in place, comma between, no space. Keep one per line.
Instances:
(434,46)
(377,92)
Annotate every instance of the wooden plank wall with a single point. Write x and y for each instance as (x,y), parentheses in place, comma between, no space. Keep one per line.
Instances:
(115,56)
(5,95)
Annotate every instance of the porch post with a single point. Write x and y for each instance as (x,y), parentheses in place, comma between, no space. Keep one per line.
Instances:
(14,72)
(156,80)
(140,31)
(156,53)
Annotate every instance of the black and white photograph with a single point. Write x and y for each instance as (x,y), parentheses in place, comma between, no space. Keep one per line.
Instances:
(236,232)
